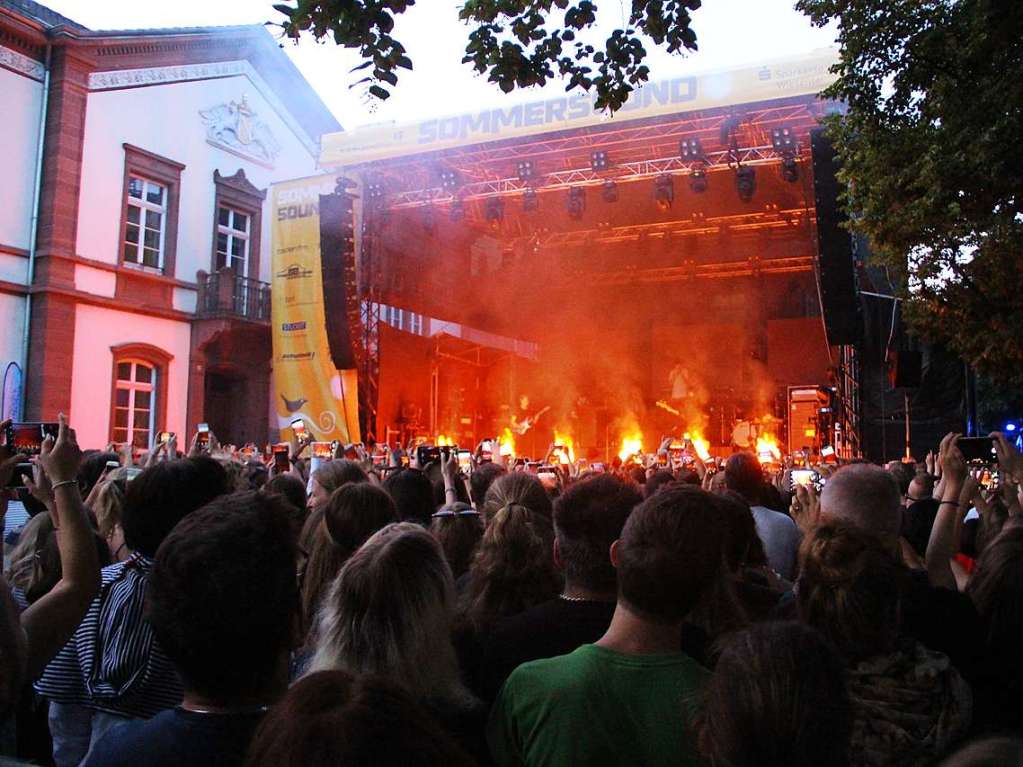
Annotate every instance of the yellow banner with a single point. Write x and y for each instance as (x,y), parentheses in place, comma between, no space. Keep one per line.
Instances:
(805,75)
(306,383)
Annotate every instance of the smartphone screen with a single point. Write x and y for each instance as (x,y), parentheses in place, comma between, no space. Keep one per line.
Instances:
(323,450)
(282,462)
(298,426)
(27,438)
(802,477)
(465,461)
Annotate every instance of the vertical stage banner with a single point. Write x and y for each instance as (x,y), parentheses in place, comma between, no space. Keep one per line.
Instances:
(307,384)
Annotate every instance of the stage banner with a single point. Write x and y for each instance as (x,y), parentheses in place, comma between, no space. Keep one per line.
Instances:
(805,75)
(306,382)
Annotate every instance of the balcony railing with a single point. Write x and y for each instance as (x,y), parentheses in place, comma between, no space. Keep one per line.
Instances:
(225,294)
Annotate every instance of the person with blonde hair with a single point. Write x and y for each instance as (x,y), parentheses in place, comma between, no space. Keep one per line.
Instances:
(109,501)
(389,614)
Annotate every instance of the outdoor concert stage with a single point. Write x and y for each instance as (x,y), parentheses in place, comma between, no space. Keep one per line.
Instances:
(596,267)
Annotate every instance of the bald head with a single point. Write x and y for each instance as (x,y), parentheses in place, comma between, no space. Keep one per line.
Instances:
(866,497)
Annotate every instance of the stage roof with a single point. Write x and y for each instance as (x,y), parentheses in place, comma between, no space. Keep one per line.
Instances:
(806,75)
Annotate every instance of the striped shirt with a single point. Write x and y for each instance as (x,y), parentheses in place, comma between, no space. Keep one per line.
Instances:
(113,662)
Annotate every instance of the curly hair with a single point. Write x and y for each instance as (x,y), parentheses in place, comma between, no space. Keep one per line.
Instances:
(513,568)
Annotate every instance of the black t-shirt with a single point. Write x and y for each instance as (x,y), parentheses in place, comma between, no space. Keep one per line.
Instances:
(555,627)
(177,737)
(917,521)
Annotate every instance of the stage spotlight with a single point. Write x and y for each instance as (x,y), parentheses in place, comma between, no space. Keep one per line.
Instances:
(690,149)
(375,193)
(698,181)
(576,202)
(745,182)
(664,191)
(457,211)
(530,200)
(790,169)
(609,191)
(598,160)
(448,179)
(525,170)
(493,211)
(783,140)
(1010,427)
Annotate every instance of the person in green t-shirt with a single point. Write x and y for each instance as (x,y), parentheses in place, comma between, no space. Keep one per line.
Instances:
(632,697)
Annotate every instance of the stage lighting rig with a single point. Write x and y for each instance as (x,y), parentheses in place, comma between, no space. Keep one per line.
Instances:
(526,170)
(783,140)
(609,191)
(745,182)
(493,211)
(690,149)
(449,180)
(530,200)
(789,169)
(599,160)
(375,193)
(698,180)
(664,191)
(576,202)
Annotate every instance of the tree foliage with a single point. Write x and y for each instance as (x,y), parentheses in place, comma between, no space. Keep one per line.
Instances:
(517,43)
(933,159)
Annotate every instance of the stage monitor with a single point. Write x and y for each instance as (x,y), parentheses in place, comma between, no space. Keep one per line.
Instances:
(836,271)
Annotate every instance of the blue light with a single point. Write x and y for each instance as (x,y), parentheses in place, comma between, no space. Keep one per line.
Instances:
(1010,427)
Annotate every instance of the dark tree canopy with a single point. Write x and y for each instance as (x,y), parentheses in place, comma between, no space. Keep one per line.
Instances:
(933,159)
(517,43)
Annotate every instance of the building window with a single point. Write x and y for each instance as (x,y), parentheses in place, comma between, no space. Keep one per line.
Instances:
(138,400)
(237,221)
(144,222)
(233,240)
(135,390)
(149,224)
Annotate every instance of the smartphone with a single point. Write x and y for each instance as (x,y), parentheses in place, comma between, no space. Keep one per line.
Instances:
(404,460)
(427,454)
(487,450)
(533,466)
(379,459)
(113,465)
(204,434)
(131,472)
(802,477)
(282,461)
(323,450)
(298,426)
(978,449)
(675,449)
(165,437)
(465,461)
(662,459)
(27,438)
(21,471)
(598,468)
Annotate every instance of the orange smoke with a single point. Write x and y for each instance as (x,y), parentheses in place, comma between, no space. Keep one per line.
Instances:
(768,450)
(506,442)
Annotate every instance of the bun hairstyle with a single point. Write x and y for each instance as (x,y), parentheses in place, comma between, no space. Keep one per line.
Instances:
(849,590)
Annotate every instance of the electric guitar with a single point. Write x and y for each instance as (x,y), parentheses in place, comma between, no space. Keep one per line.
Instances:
(665,406)
(526,424)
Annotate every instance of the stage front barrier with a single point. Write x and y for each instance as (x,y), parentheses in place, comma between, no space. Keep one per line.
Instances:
(307,384)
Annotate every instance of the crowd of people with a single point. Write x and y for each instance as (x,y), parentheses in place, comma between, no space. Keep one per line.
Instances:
(215,609)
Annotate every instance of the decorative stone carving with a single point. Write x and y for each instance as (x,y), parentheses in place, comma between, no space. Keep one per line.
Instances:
(234,126)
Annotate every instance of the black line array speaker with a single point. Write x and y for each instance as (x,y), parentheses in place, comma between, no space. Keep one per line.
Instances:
(905,368)
(340,292)
(836,272)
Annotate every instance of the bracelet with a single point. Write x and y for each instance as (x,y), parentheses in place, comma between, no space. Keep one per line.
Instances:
(63,483)
(954,503)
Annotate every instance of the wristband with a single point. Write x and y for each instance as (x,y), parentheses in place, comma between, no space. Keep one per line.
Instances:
(954,503)
(63,483)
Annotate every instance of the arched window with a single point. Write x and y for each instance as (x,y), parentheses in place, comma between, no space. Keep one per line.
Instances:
(138,401)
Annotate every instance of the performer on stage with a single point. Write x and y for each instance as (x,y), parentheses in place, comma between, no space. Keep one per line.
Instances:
(678,379)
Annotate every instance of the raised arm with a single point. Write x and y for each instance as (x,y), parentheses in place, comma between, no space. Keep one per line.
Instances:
(944,542)
(53,618)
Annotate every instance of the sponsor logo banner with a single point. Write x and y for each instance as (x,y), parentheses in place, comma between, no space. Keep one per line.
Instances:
(306,384)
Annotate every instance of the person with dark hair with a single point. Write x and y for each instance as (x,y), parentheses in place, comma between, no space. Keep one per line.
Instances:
(482,477)
(656,481)
(777,531)
(413,495)
(909,704)
(221,599)
(777,697)
(757,588)
(588,518)
(334,718)
(331,476)
(114,668)
(92,468)
(292,489)
(618,701)
(515,488)
(459,530)
(354,512)
(996,589)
